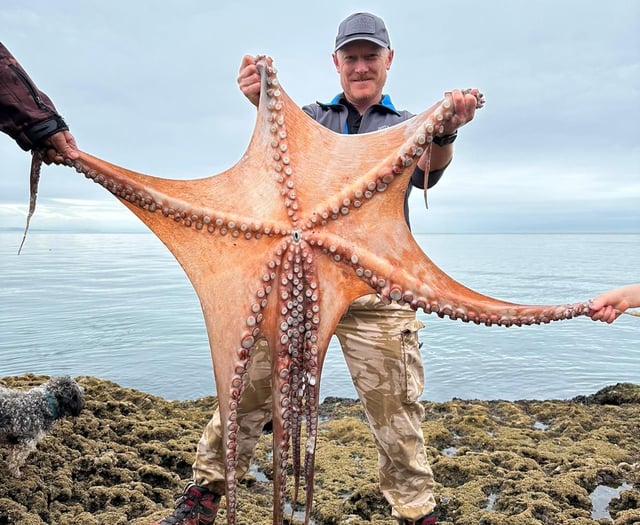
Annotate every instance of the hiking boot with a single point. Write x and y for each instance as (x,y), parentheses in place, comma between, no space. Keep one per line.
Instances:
(429,519)
(196,506)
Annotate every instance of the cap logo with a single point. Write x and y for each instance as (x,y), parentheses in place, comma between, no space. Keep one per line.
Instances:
(366,25)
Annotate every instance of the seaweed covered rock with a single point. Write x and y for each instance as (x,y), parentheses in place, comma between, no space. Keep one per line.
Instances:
(618,394)
(495,462)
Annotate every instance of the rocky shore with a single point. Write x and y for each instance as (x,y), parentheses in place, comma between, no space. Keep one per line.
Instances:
(573,462)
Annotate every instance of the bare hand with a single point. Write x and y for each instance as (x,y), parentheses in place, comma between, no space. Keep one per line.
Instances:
(60,146)
(463,108)
(609,305)
(249,79)
(606,314)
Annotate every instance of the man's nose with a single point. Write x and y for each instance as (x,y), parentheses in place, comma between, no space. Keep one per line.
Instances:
(361,65)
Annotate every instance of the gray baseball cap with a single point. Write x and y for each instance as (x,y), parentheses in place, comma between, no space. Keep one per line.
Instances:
(362,26)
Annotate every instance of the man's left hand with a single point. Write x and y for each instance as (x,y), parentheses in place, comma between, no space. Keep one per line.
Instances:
(463,106)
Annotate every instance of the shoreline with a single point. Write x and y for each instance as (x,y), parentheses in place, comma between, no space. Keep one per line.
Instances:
(528,462)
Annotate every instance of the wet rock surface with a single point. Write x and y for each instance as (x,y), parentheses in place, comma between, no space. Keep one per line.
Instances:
(495,462)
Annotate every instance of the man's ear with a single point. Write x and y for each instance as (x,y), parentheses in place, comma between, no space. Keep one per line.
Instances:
(336,62)
(389,59)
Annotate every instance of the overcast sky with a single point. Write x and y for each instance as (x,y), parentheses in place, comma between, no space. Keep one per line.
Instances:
(151,85)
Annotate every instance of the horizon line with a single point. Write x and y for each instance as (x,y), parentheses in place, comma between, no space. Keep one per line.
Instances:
(16,229)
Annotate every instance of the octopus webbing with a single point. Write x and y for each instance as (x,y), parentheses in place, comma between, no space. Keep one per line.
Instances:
(278,246)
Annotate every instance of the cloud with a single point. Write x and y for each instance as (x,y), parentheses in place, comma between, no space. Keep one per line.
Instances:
(72,215)
(154,90)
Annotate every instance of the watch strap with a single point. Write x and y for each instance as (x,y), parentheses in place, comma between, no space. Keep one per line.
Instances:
(443,140)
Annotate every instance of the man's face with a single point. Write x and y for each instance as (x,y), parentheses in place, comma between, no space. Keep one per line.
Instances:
(362,66)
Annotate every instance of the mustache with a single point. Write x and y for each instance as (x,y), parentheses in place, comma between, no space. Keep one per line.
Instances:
(361,77)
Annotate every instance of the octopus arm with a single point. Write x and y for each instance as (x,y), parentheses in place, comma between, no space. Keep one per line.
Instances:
(405,274)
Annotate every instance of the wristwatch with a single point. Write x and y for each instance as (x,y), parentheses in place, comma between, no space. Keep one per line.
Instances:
(445,139)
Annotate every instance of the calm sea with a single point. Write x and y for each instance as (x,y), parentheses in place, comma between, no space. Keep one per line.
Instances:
(118,306)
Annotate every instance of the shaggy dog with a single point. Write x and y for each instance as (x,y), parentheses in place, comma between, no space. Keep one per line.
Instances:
(26,416)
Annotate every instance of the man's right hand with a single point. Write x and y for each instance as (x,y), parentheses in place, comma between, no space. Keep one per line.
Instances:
(249,79)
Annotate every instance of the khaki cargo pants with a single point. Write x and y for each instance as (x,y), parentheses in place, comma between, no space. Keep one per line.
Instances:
(381,348)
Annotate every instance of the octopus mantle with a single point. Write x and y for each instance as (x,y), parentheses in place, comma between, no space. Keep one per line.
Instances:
(280,244)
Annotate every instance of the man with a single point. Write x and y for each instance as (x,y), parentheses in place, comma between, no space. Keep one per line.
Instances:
(380,342)
(29,116)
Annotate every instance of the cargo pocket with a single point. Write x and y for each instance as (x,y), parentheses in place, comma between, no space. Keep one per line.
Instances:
(412,362)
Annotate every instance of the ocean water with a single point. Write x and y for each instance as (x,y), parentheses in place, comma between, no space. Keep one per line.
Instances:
(118,306)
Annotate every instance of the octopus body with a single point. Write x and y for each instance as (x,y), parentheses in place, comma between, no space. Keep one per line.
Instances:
(280,244)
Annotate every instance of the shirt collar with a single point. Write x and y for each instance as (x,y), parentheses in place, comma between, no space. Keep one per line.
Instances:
(385,102)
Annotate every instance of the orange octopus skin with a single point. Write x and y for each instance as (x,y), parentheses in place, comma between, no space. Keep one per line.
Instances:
(279,245)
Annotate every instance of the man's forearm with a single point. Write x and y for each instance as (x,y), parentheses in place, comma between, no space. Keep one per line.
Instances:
(27,114)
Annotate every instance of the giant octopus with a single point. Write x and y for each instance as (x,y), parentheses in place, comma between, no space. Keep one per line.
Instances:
(278,246)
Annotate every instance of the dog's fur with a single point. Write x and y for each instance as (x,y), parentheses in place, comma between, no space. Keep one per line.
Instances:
(26,416)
